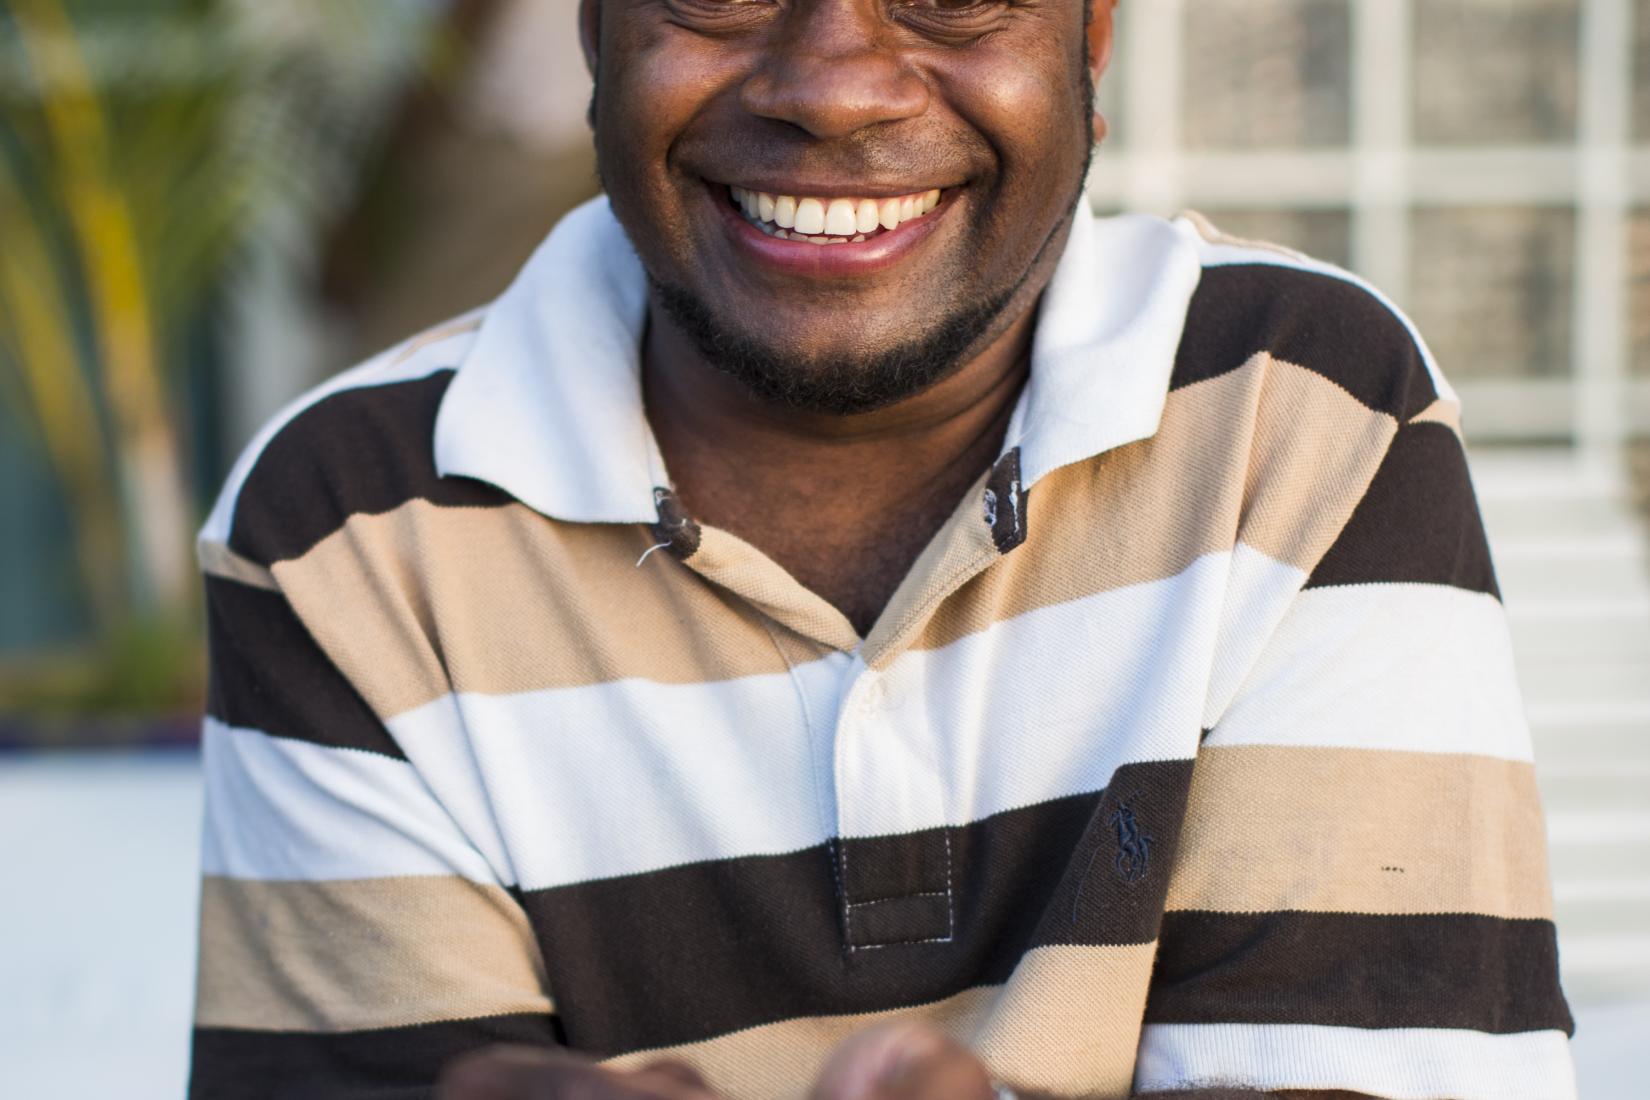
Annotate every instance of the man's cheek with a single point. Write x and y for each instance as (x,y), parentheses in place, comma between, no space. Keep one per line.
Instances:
(651,85)
(1026,115)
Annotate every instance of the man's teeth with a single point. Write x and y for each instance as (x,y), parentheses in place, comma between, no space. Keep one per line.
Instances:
(830,221)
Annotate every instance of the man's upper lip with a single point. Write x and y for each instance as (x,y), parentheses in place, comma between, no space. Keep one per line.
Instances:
(856,188)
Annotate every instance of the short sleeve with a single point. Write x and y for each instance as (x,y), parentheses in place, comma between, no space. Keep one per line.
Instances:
(1361,898)
(352,938)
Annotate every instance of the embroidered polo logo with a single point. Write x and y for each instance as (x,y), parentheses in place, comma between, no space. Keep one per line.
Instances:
(1134,846)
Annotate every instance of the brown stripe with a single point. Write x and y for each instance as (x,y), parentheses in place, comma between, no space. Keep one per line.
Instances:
(219,560)
(1361,831)
(1271,455)
(426,599)
(360,954)
(1067,1023)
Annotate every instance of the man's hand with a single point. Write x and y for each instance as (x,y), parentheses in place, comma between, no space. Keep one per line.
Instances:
(904,1061)
(896,1061)
(529,1073)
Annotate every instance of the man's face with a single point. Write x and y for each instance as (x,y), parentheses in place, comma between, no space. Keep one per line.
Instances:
(734,134)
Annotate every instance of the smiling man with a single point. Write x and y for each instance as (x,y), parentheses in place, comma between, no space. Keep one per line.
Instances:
(849,622)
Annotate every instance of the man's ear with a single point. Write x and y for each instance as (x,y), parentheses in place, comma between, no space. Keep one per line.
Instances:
(590,32)
(1101,33)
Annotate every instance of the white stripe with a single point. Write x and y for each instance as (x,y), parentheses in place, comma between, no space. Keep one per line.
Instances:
(1226,255)
(1401,1063)
(1040,706)
(1411,667)
(631,776)
(288,810)
(381,370)
(1256,599)
(555,787)
(574,784)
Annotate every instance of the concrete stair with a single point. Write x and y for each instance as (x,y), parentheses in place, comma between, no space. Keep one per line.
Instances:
(1574,566)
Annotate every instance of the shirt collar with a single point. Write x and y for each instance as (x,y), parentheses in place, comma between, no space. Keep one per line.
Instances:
(1107,332)
(547,404)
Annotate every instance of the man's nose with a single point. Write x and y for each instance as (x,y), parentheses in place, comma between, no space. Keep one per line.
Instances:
(833,70)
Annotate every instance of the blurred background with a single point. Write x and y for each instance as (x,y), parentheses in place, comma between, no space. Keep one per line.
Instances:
(207,206)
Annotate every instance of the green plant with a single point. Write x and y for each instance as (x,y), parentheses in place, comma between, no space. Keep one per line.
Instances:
(144,145)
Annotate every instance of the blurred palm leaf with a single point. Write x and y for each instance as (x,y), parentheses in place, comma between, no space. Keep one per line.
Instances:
(144,144)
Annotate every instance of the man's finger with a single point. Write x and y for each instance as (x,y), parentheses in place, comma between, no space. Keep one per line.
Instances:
(676,1070)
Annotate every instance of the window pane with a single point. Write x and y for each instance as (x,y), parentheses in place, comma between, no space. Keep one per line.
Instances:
(1109,95)
(1641,70)
(1490,71)
(1638,289)
(1491,288)
(1267,73)
(1321,234)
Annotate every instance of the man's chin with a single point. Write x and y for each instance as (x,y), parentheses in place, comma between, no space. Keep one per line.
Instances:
(860,378)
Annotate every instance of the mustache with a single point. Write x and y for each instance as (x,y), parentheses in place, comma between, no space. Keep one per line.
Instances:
(784,151)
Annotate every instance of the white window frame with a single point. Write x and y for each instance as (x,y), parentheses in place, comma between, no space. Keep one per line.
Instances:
(1383,176)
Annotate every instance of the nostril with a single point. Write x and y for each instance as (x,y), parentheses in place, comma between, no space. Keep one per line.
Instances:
(836,95)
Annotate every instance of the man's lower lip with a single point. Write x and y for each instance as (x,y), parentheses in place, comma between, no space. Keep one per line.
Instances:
(847,259)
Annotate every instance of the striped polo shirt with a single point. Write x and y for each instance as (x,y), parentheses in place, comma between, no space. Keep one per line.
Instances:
(1189,752)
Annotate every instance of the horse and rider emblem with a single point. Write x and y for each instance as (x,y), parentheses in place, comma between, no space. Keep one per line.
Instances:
(1134,846)
(1134,850)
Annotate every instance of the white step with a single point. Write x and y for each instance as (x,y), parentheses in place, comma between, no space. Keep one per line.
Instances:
(1579,641)
(1603,746)
(1626,784)
(1589,862)
(1605,680)
(1602,575)
(1543,517)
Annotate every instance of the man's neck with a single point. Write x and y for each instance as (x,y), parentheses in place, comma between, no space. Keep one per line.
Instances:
(844,503)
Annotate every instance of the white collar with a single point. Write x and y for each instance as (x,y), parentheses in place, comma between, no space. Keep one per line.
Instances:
(547,404)
(1107,332)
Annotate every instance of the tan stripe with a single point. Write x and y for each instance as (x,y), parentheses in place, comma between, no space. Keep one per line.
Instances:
(730,561)
(1447,413)
(782,1060)
(1212,233)
(961,549)
(424,599)
(1271,455)
(370,953)
(220,561)
(1067,1022)
(470,322)
(1361,831)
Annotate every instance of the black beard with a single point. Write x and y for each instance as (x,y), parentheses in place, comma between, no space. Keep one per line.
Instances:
(837,385)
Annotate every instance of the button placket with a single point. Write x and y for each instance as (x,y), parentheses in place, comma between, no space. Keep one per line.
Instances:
(897,887)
